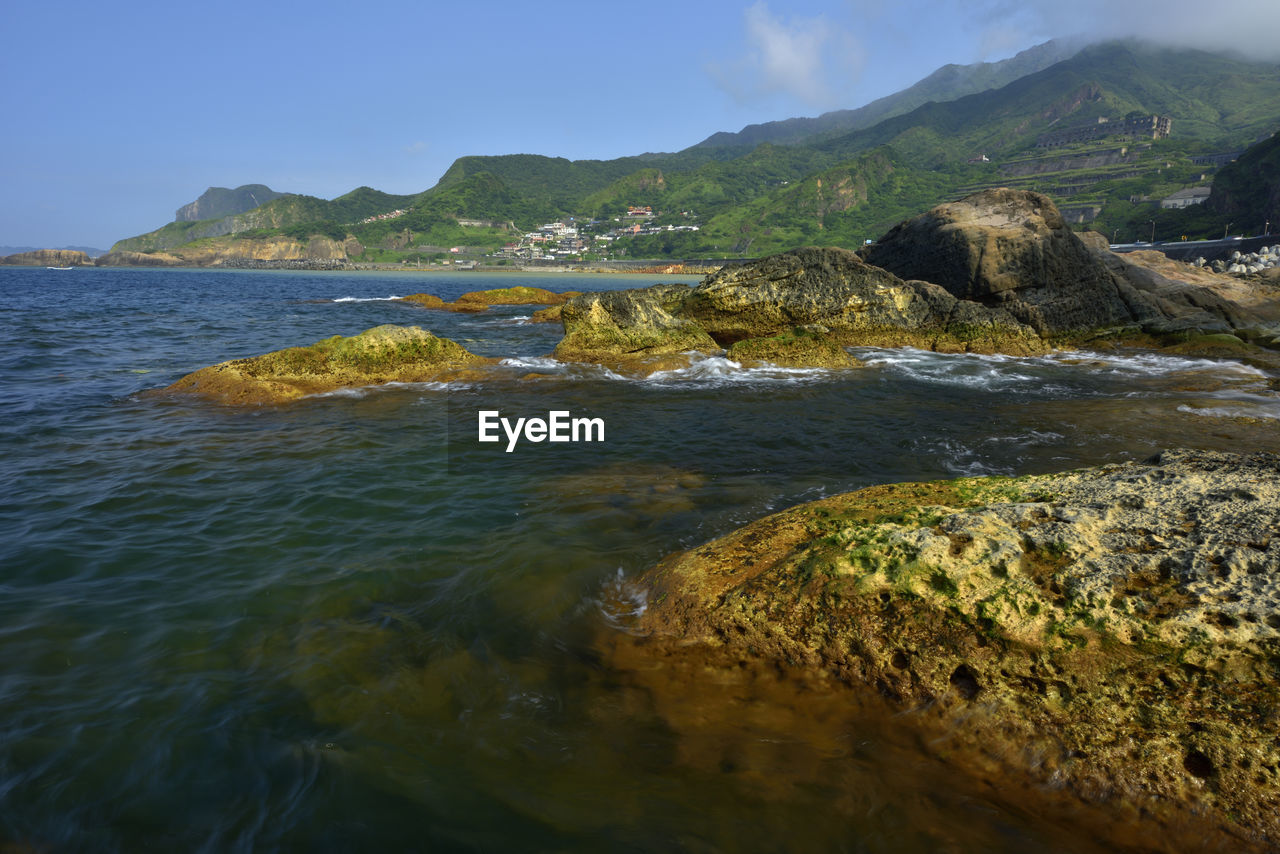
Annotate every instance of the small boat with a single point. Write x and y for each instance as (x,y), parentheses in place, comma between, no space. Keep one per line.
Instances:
(59,268)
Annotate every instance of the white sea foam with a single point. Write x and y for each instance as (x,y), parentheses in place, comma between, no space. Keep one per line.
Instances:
(366,299)
(1059,373)
(365,390)
(1153,364)
(1269,409)
(534,363)
(550,365)
(718,370)
(621,602)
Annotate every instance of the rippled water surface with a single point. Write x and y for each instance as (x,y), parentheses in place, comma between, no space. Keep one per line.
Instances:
(345,624)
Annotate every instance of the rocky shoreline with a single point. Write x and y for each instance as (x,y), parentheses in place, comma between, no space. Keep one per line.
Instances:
(997,272)
(1108,638)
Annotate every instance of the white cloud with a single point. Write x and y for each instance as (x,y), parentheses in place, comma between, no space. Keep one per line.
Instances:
(1248,26)
(416,147)
(805,58)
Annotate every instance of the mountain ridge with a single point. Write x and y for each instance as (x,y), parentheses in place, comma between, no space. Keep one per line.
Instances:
(947,83)
(838,188)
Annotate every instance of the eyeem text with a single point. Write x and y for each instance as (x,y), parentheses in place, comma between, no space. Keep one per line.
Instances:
(558,426)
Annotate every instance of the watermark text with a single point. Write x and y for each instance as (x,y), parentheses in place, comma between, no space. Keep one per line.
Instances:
(558,426)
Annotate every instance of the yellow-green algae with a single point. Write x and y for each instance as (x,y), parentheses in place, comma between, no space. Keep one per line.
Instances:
(1112,632)
(478,301)
(376,356)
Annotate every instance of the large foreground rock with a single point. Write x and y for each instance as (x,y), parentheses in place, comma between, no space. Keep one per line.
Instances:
(1111,634)
(376,356)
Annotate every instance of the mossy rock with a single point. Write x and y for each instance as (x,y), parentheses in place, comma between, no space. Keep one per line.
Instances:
(518,295)
(478,301)
(376,356)
(630,328)
(434,302)
(551,314)
(1066,634)
(800,348)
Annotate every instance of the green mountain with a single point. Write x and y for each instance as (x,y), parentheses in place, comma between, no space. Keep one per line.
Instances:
(946,84)
(287,211)
(1106,132)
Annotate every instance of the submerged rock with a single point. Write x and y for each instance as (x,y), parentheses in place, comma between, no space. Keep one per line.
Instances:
(373,357)
(1110,634)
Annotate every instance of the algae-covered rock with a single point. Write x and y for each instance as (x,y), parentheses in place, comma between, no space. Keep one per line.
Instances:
(434,302)
(859,305)
(856,304)
(1112,633)
(799,348)
(518,295)
(550,314)
(373,357)
(629,327)
(477,301)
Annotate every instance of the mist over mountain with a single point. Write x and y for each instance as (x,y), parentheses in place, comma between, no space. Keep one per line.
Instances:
(946,84)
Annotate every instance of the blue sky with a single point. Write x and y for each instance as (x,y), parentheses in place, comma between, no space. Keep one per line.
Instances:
(119,113)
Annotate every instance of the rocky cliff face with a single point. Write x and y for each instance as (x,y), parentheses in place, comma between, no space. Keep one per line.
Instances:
(228,252)
(217,202)
(1110,634)
(49,258)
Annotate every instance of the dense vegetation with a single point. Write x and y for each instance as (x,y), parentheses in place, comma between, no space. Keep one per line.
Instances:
(841,187)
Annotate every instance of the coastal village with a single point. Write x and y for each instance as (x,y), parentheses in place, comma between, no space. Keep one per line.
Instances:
(573,237)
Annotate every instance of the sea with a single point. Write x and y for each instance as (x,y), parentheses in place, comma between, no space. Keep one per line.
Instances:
(346,624)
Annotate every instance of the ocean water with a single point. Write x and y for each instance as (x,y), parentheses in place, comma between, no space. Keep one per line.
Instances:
(345,624)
